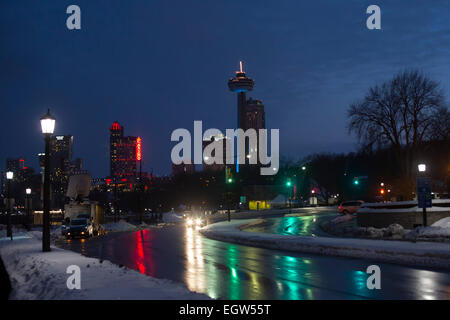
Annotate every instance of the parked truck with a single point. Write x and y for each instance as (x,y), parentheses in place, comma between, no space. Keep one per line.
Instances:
(80,207)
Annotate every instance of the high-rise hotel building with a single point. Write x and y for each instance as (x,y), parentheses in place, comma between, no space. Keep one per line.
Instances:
(122,153)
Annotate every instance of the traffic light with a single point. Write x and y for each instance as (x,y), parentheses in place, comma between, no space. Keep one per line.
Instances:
(356,181)
(288,183)
(381,191)
(228,175)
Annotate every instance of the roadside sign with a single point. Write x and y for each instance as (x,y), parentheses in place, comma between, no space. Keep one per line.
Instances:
(424,192)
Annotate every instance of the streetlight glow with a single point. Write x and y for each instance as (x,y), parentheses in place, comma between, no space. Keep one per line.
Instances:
(422,167)
(9,175)
(48,123)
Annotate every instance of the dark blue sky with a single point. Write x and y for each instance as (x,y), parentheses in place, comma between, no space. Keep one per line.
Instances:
(159,65)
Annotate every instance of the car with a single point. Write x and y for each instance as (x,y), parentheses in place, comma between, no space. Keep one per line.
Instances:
(195,222)
(79,227)
(95,226)
(349,207)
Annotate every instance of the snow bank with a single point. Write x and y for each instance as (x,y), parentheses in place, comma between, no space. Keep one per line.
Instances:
(411,206)
(443,223)
(122,225)
(431,233)
(418,254)
(38,275)
(400,203)
(343,218)
(412,209)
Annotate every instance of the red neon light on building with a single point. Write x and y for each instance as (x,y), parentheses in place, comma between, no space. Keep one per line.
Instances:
(116,126)
(138,149)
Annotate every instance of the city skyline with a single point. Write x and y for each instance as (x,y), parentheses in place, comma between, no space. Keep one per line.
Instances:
(306,82)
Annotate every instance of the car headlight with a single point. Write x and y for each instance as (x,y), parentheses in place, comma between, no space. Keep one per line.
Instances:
(190,222)
(198,221)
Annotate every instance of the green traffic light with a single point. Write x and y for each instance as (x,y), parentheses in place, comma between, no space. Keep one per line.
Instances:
(356,182)
(230,180)
(288,183)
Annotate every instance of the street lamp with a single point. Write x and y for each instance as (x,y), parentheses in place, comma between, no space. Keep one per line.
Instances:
(28,205)
(423,191)
(47,126)
(9,177)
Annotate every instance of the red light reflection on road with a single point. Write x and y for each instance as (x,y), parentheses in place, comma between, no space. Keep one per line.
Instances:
(142,256)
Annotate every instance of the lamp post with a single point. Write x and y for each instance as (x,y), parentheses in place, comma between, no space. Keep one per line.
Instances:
(47,126)
(9,177)
(28,203)
(423,192)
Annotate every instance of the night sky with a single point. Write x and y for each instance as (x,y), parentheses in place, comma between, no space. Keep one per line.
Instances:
(159,65)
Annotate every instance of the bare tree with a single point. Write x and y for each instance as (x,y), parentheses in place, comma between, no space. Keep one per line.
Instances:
(401,112)
(441,125)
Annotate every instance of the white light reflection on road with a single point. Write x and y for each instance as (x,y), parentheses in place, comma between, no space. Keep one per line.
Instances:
(195,275)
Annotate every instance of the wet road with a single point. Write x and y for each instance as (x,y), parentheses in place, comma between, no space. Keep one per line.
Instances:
(229,271)
(308,225)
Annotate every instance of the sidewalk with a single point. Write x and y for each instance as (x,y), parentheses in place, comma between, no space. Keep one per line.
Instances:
(38,275)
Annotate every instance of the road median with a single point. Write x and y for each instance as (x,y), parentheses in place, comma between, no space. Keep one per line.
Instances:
(422,254)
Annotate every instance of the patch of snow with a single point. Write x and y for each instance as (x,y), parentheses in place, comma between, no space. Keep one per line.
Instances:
(443,223)
(412,209)
(343,218)
(432,232)
(401,203)
(122,225)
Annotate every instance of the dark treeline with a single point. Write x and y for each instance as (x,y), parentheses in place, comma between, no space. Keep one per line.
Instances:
(335,174)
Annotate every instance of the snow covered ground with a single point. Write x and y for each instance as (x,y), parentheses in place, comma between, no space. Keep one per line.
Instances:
(412,253)
(438,231)
(121,225)
(38,275)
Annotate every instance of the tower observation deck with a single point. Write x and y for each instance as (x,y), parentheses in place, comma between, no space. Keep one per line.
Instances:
(241,84)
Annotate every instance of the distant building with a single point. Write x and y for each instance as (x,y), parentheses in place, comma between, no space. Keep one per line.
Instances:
(215,166)
(17,167)
(255,117)
(250,113)
(61,148)
(24,177)
(183,168)
(122,153)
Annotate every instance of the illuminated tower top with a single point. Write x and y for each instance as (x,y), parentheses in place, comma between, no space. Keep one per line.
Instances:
(240,83)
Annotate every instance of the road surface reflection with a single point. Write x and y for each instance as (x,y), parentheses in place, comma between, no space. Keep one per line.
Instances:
(230,271)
